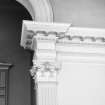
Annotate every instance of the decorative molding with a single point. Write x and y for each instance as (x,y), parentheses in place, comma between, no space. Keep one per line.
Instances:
(61,33)
(40,10)
(29,28)
(45,74)
(60,41)
(45,71)
(53,44)
(5,66)
(62,37)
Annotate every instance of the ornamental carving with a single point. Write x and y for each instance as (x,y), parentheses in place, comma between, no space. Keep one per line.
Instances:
(44,67)
(63,37)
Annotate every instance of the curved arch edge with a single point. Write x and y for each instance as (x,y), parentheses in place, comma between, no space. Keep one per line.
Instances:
(40,10)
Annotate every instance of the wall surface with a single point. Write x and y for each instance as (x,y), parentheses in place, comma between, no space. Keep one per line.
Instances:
(11,16)
(84,13)
(81,84)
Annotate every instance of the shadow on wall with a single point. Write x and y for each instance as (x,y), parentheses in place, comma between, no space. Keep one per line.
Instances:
(11,16)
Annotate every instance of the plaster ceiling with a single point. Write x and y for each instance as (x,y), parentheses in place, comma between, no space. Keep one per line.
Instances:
(83,13)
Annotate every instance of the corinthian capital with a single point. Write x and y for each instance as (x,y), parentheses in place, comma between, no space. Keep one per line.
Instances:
(45,70)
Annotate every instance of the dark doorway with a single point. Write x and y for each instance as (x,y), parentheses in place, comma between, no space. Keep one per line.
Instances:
(11,15)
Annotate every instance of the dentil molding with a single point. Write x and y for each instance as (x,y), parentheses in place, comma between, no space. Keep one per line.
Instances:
(63,42)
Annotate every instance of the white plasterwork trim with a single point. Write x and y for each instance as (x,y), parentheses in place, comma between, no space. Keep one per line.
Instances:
(40,10)
(45,71)
(51,41)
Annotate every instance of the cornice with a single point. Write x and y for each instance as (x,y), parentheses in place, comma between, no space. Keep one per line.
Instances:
(62,33)
(53,41)
(62,37)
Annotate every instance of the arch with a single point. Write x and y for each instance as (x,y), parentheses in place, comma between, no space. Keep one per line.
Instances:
(40,10)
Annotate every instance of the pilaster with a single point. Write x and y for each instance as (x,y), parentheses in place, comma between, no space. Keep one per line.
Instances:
(56,44)
(45,68)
